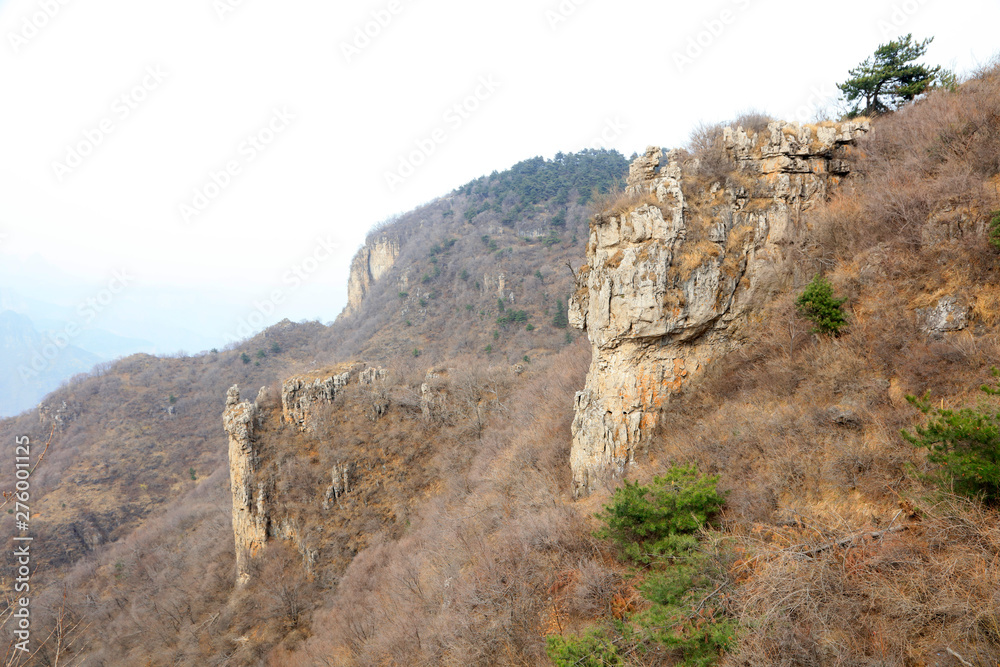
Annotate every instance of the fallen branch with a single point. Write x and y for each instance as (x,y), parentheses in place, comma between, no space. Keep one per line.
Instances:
(850,541)
(958,657)
(710,596)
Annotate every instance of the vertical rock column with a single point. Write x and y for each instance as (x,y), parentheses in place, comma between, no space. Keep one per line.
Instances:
(250,517)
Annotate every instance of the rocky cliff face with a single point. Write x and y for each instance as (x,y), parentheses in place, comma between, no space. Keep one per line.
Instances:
(250,516)
(252,474)
(302,394)
(672,273)
(371,263)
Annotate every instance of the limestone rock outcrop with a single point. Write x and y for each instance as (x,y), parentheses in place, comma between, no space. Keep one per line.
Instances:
(340,484)
(672,273)
(250,516)
(301,395)
(371,263)
(949,314)
(371,375)
(434,392)
(57,419)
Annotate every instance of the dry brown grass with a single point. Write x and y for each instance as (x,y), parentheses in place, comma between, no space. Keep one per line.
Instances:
(804,433)
(714,164)
(752,120)
(925,160)
(617,202)
(693,255)
(986,305)
(900,599)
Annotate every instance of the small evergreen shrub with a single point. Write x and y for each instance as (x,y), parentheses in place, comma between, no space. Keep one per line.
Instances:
(964,443)
(995,229)
(560,320)
(647,523)
(685,615)
(593,649)
(824,310)
(678,620)
(513,317)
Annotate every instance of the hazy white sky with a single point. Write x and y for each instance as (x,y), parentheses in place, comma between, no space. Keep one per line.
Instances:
(224,146)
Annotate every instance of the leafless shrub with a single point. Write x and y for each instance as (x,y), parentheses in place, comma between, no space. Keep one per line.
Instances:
(592,589)
(752,120)
(618,201)
(707,147)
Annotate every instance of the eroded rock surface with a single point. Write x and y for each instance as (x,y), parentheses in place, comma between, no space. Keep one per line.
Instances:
(371,263)
(250,516)
(302,395)
(671,276)
(949,314)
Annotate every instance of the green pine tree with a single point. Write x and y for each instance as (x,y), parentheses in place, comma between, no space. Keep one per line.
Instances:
(560,320)
(818,305)
(889,78)
(964,443)
(994,233)
(648,522)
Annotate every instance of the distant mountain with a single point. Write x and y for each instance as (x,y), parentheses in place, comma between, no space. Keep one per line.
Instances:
(482,271)
(109,346)
(33,364)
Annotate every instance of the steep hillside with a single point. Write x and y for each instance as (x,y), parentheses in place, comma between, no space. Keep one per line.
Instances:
(131,437)
(484,271)
(836,546)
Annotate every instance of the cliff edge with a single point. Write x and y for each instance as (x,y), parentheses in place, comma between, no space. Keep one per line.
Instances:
(674,268)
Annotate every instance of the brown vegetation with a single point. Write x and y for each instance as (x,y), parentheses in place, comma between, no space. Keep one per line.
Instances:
(457,542)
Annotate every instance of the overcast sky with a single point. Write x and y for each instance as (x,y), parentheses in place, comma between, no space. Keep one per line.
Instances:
(216,150)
